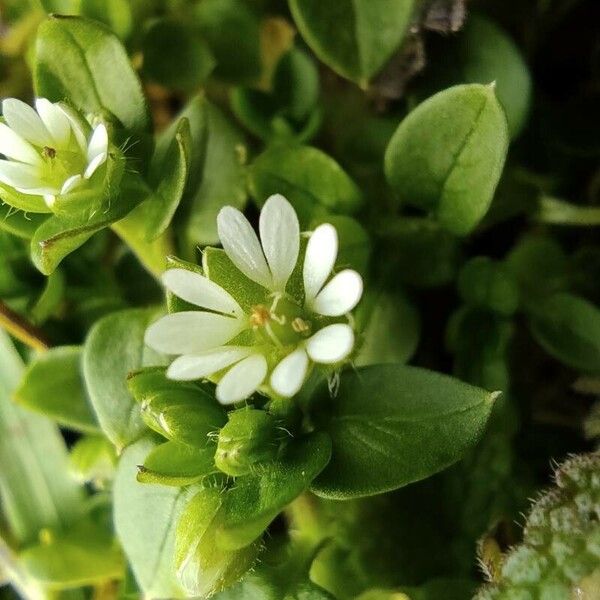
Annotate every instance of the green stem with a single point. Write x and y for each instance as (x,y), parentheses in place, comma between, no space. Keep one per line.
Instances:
(152,255)
(559,212)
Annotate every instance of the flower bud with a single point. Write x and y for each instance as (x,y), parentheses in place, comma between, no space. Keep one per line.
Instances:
(249,438)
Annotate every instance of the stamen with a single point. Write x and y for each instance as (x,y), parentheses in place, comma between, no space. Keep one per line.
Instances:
(299,325)
(48,152)
(260,315)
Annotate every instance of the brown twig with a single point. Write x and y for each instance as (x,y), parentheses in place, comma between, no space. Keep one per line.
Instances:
(21,329)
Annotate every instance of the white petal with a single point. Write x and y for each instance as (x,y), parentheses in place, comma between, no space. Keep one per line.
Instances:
(98,142)
(242,246)
(321,253)
(280,237)
(71,183)
(288,376)
(242,380)
(191,332)
(76,129)
(196,366)
(331,344)
(94,164)
(201,291)
(49,199)
(340,295)
(12,145)
(20,175)
(22,119)
(55,121)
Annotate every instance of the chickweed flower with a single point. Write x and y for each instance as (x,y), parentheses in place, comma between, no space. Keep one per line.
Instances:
(48,151)
(271,346)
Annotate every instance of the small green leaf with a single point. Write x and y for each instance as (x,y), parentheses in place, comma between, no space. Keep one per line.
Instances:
(53,385)
(540,267)
(353,37)
(232,31)
(257,499)
(217,178)
(485,283)
(390,327)
(173,166)
(82,61)
(481,53)
(568,328)
(175,55)
(116,14)
(85,555)
(447,155)
(146,518)
(182,411)
(18,222)
(392,425)
(177,464)
(114,348)
(310,179)
(93,459)
(50,299)
(59,235)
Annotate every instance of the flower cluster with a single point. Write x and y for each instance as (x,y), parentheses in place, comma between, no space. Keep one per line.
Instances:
(272,345)
(49,151)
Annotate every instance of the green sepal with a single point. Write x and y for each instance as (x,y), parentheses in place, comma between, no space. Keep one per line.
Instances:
(181,411)
(177,464)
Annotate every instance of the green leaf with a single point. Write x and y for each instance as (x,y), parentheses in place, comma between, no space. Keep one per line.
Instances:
(173,165)
(485,283)
(568,328)
(18,222)
(390,327)
(310,179)
(175,55)
(203,567)
(540,267)
(483,53)
(146,517)
(177,464)
(353,37)
(232,31)
(447,156)
(423,254)
(257,499)
(85,555)
(113,349)
(182,411)
(217,176)
(59,235)
(392,425)
(93,459)
(83,61)
(53,385)
(115,14)
(36,491)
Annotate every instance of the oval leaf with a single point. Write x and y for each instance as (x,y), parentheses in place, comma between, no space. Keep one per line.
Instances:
(53,385)
(392,425)
(447,156)
(114,348)
(353,37)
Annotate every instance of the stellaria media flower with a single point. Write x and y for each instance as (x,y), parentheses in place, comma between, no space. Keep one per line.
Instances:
(48,150)
(272,345)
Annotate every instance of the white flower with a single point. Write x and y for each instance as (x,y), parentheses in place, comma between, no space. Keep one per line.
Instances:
(47,152)
(286,336)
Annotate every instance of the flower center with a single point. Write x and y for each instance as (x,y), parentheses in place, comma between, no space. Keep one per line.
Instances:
(283,323)
(60,164)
